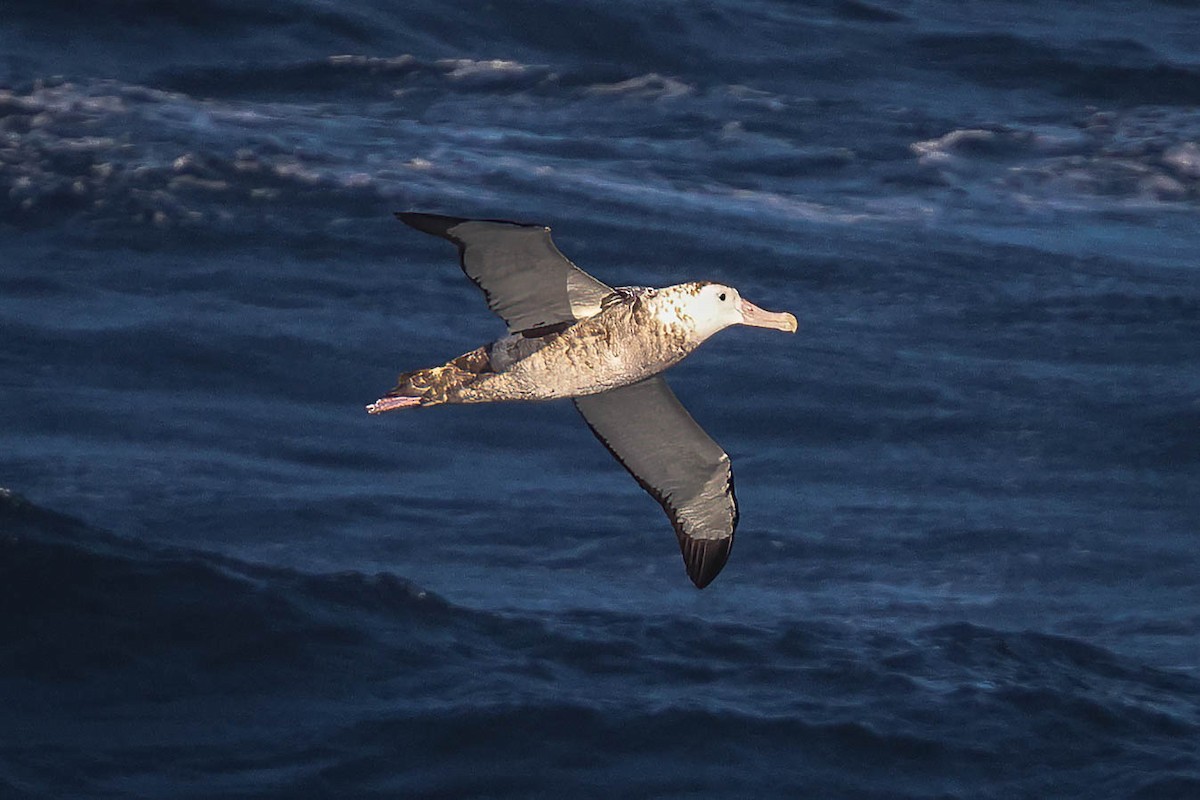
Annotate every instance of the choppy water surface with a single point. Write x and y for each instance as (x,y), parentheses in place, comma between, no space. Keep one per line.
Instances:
(967,564)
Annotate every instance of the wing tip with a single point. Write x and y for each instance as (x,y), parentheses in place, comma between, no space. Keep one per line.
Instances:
(705,558)
(436,224)
(439,224)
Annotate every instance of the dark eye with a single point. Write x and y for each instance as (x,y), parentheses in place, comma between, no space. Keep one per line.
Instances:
(721,296)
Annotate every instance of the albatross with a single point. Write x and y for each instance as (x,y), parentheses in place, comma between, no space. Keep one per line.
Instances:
(571,336)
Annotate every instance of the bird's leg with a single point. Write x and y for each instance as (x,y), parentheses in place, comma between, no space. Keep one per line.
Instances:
(392,403)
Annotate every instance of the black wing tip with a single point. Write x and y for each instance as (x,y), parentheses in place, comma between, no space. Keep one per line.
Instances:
(704,558)
(436,224)
(440,224)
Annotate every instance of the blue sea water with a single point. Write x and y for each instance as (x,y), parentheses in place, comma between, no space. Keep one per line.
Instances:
(968,562)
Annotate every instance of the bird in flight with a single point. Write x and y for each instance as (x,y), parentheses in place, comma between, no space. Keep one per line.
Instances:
(571,336)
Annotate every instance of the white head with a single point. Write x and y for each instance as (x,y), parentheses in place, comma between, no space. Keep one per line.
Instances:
(710,307)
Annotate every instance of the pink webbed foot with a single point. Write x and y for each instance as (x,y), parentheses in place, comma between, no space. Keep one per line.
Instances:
(392,403)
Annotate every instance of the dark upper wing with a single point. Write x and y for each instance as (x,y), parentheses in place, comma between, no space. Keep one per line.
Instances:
(528,283)
(647,429)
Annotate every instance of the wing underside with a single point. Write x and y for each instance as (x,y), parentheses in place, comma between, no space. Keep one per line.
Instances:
(649,431)
(527,281)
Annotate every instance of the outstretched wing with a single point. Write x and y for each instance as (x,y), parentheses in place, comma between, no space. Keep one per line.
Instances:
(647,429)
(528,283)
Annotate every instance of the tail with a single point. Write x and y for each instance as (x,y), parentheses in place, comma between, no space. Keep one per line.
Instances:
(434,385)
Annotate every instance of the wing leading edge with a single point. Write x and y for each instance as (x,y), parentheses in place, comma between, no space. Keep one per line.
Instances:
(649,431)
(527,281)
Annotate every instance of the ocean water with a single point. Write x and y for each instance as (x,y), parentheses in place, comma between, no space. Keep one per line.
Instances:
(968,564)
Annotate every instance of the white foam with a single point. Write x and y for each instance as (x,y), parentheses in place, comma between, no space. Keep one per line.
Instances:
(1184,159)
(650,85)
(460,68)
(944,148)
(374,62)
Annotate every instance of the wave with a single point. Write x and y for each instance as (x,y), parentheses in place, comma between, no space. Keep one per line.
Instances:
(69,158)
(362,683)
(358,75)
(216,16)
(1112,70)
(897,735)
(118,596)
(1132,156)
(81,602)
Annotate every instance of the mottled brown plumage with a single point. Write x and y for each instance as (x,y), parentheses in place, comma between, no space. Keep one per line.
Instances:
(631,338)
